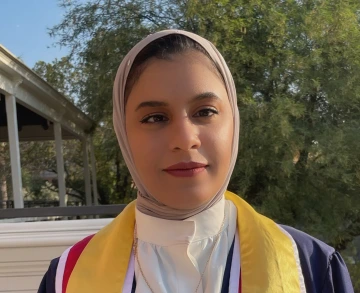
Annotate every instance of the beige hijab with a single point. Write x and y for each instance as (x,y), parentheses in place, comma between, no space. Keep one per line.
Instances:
(146,202)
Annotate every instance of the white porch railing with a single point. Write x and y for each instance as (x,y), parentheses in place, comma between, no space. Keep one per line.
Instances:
(27,248)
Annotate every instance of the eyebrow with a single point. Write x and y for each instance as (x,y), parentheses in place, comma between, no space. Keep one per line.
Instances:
(199,97)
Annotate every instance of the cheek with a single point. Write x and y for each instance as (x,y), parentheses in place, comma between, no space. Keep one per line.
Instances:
(217,143)
(145,149)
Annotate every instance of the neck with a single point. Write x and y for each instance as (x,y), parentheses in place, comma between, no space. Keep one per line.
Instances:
(148,205)
(167,232)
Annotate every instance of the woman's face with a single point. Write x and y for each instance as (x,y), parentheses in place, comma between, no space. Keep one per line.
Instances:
(180,127)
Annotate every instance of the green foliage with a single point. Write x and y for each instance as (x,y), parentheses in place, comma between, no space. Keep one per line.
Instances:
(354,270)
(61,74)
(352,257)
(296,65)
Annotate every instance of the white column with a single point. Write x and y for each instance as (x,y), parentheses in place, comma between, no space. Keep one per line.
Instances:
(60,164)
(12,125)
(87,172)
(93,172)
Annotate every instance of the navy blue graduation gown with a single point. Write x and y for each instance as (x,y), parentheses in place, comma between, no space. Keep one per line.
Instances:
(323,268)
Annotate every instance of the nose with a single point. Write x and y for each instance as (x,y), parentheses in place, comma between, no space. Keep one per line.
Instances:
(184,135)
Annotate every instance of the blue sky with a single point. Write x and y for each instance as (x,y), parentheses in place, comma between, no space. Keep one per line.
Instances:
(23,29)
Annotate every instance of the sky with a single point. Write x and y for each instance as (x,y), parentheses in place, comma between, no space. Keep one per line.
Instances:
(23,29)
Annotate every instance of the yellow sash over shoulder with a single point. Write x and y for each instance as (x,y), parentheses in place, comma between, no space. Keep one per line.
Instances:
(269,262)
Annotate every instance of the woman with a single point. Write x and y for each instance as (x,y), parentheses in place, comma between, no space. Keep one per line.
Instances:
(177,123)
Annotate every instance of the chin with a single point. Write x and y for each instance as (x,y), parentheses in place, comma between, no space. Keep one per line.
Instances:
(186,200)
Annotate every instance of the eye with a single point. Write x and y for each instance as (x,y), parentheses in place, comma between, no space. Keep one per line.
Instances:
(156,118)
(208,112)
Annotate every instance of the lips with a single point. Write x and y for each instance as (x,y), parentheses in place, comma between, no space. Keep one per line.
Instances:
(187,169)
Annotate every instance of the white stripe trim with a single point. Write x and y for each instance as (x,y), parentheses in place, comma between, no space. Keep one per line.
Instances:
(60,271)
(297,259)
(129,274)
(235,267)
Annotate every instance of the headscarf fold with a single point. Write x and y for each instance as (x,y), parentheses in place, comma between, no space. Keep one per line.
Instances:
(146,202)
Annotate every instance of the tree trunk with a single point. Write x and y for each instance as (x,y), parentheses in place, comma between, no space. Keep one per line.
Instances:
(3,183)
(308,137)
(118,175)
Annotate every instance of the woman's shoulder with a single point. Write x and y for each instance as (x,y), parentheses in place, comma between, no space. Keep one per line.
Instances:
(308,244)
(322,266)
(69,256)
(47,284)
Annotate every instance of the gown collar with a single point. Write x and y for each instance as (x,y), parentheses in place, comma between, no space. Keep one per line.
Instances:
(164,232)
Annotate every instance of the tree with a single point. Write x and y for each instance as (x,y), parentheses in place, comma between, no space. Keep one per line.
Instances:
(61,74)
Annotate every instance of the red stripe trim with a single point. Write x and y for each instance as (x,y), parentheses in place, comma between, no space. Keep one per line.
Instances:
(240,282)
(72,258)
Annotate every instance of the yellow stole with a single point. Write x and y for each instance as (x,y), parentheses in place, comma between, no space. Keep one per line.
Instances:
(268,260)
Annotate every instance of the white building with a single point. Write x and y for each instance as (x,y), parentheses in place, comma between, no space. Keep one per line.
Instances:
(31,109)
